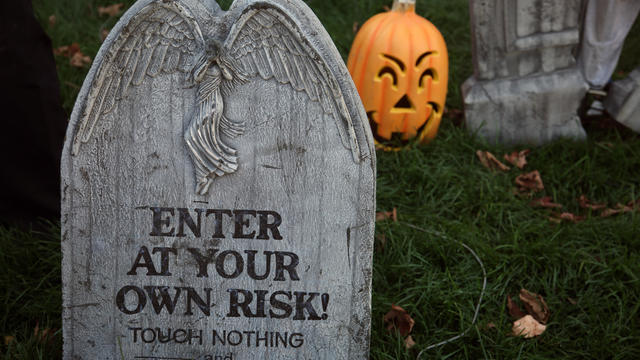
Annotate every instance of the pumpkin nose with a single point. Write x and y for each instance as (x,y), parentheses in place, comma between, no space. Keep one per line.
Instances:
(404,105)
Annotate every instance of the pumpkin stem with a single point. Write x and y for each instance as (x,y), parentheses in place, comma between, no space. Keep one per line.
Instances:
(404,5)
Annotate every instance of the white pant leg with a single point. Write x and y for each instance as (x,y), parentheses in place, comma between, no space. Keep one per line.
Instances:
(606,25)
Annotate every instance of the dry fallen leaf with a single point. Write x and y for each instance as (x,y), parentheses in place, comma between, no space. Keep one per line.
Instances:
(383,215)
(79,59)
(67,50)
(527,327)
(398,318)
(61,51)
(52,20)
(585,203)
(489,161)
(535,305)
(572,301)
(408,342)
(618,209)
(355,27)
(566,216)
(518,158)
(111,10)
(514,309)
(531,181)
(545,202)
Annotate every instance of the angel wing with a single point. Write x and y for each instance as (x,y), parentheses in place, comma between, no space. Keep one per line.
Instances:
(163,37)
(265,42)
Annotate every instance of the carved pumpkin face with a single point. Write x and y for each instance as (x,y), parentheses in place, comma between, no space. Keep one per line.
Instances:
(399,64)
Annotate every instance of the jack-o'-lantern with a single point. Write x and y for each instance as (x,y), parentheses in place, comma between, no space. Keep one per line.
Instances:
(399,64)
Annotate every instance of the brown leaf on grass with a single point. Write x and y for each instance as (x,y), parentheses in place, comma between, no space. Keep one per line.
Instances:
(535,305)
(8,339)
(489,161)
(408,342)
(383,215)
(52,20)
(399,319)
(355,27)
(111,10)
(386,8)
(617,210)
(527,327)
(566,216)
(76,57)
(61,51)
(545,202)
(585,203)
(79,59)
(514,309)
(67,50)
(572,301)
(531,181)
(518,158)
(104,33)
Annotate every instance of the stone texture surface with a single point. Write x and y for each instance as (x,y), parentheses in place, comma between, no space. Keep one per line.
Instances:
(531,110)
(294,157)
(525,76)
(623,100)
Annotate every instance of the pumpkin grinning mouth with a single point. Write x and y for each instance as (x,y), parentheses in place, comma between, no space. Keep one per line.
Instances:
(399,136)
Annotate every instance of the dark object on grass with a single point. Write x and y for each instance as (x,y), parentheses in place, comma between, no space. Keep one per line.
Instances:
(33,119)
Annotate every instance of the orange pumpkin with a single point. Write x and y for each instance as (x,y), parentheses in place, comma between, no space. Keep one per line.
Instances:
(399,64)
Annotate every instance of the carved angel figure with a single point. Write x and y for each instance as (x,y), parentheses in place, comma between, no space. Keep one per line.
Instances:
(165,37)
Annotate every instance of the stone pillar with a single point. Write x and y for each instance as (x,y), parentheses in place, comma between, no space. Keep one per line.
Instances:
(526,86)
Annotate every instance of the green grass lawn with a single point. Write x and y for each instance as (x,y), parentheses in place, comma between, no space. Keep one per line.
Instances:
(589,272)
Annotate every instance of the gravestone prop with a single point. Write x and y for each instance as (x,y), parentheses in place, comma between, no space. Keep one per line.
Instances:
(527,86)
(218,185)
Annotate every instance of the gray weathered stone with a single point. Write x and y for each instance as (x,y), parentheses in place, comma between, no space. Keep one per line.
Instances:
(623,100)
(251,111)
(532,110)
(526,87)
